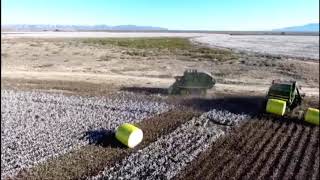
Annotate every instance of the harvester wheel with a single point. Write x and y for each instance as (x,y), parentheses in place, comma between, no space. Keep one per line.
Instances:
(276,106)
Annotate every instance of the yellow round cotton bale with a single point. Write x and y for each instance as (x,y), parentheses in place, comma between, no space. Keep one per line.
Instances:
(276,106)
(129,135)
(312,116)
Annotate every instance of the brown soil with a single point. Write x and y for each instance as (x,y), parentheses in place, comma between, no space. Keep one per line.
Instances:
(66,87)
(71,60)
(106,151)
(261,149)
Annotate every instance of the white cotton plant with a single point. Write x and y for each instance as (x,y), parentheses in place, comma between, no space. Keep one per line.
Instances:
(224,117)
(37,125)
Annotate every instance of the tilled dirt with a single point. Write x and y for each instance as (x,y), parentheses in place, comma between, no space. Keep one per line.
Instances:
(261,149)
(105,151)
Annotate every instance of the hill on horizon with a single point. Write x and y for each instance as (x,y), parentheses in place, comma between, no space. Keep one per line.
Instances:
(312,27)
(47,27)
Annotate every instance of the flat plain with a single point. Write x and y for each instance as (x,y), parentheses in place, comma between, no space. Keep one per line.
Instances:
(64,93)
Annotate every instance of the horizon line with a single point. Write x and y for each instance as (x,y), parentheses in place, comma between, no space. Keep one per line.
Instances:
(151,26)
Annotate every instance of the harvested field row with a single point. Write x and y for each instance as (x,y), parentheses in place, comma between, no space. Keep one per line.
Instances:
(105,150)
(261,149)
(164,158)
(36,126)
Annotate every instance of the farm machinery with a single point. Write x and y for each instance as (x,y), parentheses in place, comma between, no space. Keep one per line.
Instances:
(284,97)
(192,83)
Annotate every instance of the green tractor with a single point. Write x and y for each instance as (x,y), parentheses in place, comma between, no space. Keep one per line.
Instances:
(192,83)
(284,96)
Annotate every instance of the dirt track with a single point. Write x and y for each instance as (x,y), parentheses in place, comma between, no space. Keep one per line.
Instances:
(261,149)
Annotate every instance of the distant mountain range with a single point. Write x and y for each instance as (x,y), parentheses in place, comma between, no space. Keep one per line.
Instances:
(313,27)
(45,27)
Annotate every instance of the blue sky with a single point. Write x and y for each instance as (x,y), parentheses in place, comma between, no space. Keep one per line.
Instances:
(172,14)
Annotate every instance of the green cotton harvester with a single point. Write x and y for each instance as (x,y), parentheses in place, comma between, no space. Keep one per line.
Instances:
(192,83)
(284,96)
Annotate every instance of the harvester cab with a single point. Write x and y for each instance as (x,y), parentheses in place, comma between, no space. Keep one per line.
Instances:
(192,83)
(284,96)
